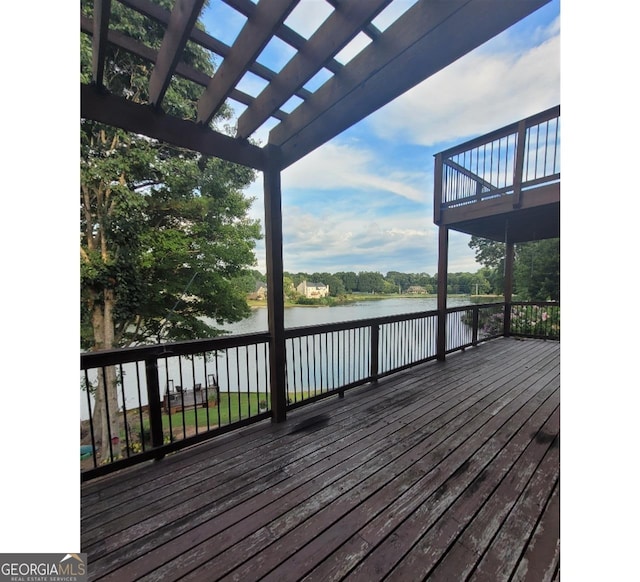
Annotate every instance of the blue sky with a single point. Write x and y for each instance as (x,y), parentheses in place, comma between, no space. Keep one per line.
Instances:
(364,200)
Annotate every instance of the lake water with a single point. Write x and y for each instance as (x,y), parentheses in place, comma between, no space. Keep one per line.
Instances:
(303,316)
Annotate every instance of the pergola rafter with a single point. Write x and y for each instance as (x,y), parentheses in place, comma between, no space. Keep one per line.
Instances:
(100,31)
(183,17)
(333,35)
(253,37)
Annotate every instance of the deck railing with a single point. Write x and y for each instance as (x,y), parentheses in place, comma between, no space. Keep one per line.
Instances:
(171,395)
(174,395)
(504,162)
(535,319)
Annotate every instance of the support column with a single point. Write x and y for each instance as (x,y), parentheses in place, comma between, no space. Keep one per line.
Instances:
(275,286)
(443,262)
(508,286)
(437,189)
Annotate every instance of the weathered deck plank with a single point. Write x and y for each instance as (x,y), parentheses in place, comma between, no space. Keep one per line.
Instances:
(317,446)
(542,558)
(445,469)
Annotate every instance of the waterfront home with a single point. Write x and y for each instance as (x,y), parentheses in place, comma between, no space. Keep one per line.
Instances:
(313,290)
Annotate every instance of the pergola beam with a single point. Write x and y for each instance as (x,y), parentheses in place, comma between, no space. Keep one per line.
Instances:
(253,37)
(335,33)
(145,120)
(425,39)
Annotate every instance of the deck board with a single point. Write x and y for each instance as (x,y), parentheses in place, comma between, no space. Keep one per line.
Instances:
(447,470)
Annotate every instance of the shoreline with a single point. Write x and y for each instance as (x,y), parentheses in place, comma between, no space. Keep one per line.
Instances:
(256,304)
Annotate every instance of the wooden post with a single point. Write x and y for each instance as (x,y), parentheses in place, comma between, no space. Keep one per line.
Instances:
(508,287)
(375,346)
(443,252)
(519,164)
(475,324)
(155,405)
(437,189)
(275,285)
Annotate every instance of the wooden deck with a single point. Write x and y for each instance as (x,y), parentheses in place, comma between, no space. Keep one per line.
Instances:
(448,471)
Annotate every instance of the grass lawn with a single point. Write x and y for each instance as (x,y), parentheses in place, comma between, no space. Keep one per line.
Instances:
(232,408)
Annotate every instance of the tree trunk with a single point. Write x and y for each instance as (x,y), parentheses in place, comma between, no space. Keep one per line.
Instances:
(106,410)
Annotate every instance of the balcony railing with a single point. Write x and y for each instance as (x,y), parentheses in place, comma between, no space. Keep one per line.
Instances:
(505,162)
(174,395)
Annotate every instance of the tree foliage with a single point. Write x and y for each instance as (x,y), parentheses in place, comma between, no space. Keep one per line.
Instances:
(536,269)
(165,236)
(164,231)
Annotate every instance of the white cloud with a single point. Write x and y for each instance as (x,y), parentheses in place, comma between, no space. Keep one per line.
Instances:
(488,88)
(307,16)
(353,48)
(339,166)
(357,240)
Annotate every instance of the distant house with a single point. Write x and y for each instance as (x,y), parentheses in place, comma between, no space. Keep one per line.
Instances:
(313,290)
(416,289)
(259,293)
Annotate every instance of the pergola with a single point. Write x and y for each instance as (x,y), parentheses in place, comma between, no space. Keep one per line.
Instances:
(425,38)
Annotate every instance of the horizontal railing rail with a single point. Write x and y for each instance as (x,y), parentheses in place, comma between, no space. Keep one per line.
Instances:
(504,162)
(170,396)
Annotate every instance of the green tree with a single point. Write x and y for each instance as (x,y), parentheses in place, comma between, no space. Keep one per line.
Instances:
(400,280)
(164,232)
(370,282)
(537,270)
(489,253)
(389,287)
(459,283)
(290,292)
(349,280)
(425,280)
(480,282)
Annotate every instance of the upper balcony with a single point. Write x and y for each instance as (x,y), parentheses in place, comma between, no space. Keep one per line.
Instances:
(505,185)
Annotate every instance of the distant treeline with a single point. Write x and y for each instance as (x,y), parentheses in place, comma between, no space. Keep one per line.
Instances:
(536,275)
(393,282)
